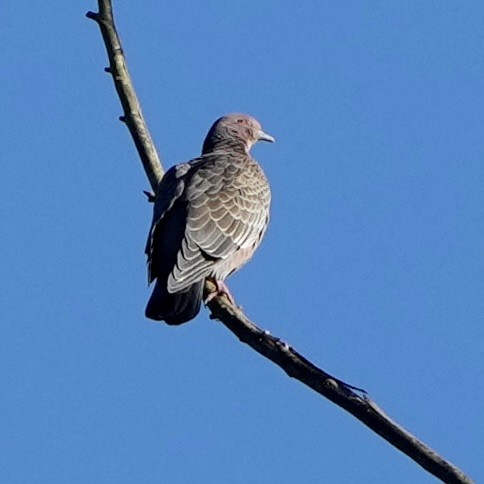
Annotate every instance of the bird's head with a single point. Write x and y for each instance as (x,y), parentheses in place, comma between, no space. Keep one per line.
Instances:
(236,131)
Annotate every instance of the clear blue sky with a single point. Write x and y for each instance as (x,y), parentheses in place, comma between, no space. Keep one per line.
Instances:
(372,266)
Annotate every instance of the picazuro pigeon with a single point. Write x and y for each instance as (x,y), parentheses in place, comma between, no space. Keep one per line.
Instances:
(210,215)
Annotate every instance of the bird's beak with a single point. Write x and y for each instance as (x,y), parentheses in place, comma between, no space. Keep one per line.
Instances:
(261,136)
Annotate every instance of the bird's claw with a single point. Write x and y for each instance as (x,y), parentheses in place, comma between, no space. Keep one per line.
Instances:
(221,290)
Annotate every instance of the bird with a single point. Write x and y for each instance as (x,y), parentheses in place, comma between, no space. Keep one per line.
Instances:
(210,215)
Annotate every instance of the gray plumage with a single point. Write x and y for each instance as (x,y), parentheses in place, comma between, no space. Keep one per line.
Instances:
(209,218)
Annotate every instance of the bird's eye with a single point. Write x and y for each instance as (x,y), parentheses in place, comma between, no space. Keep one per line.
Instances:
(240,121)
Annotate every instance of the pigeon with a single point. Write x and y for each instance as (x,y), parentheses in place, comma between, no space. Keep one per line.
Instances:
(210,215)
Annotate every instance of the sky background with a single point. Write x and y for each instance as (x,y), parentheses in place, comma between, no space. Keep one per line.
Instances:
(372,266)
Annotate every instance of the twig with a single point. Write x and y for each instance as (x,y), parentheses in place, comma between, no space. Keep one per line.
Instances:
(133,117)
(352,399)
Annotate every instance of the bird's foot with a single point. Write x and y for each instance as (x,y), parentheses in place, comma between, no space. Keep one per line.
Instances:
(221,290)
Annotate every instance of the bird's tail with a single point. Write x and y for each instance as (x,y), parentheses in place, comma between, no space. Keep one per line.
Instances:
(174,308)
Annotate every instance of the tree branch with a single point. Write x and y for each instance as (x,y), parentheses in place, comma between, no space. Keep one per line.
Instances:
(352,399)
(133,117)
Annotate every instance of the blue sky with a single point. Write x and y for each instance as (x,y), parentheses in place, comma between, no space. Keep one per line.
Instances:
(372,266)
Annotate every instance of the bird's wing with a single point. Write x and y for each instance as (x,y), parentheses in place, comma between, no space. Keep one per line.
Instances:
(227,210)
(169,218)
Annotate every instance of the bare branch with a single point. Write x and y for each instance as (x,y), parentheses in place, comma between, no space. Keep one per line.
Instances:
(352,399)
(133,117)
